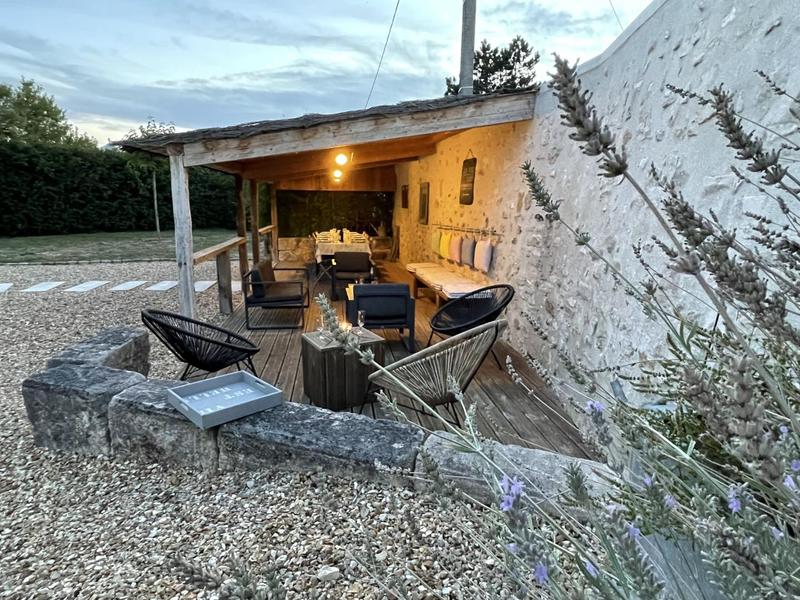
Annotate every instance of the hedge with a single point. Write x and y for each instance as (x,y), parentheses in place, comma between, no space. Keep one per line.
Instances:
(49,189)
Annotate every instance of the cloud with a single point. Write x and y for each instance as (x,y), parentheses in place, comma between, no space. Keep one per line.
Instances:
(201,63)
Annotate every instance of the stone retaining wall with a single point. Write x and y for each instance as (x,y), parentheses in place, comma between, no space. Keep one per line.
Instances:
(82,404)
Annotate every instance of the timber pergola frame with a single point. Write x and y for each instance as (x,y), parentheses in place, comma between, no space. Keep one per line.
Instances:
(299,153)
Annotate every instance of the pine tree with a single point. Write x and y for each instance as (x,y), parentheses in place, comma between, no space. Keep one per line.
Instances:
(510,67)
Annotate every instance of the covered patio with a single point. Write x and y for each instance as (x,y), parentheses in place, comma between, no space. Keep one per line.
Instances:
(305,154)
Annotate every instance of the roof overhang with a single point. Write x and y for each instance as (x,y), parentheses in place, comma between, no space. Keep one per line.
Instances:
(304,147)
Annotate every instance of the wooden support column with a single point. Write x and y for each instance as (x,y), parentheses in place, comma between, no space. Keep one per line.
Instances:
(182,215)
(241,226)
(224,283)
(273,212)
(254,220)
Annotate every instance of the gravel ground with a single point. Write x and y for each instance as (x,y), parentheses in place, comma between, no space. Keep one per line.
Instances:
(73,527)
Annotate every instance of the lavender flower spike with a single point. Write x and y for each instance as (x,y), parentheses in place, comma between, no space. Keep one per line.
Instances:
(591,569)
(540,574)
(734,503)
(595,407)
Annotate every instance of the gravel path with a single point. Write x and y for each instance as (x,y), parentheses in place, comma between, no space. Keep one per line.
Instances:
(73,527)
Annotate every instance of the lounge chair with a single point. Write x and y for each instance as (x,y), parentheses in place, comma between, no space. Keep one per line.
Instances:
(385,306)
(269,294)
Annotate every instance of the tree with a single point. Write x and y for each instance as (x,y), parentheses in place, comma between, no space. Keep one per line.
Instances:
(512,67)
(150,129)
(29,115)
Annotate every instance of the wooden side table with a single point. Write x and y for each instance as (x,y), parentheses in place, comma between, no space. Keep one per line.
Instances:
(333,379)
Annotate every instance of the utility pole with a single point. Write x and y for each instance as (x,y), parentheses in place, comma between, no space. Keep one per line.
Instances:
(467,47)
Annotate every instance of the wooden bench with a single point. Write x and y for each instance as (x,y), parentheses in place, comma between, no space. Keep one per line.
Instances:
(443,282)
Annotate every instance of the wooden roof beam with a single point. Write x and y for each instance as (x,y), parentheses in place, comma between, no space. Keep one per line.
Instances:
(297,165)
(376,128)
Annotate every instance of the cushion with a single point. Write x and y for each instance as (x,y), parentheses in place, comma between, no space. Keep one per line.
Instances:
(412,267)
(455,249)
(278,293)
(444,245)
(457,289)
(435,237)
(264,269)
(483,255)
(467,251)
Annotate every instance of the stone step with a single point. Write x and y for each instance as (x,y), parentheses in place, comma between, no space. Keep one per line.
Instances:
(86,286)
(128,285)
(161,286)
(45,286)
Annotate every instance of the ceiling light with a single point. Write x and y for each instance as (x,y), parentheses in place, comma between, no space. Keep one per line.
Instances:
(337,173)
(341,159)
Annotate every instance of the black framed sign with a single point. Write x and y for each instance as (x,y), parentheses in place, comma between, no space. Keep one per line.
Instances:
(404,196)
(424,199)
(467,190)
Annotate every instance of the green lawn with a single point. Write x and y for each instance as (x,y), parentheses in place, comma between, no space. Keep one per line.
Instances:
(124,245)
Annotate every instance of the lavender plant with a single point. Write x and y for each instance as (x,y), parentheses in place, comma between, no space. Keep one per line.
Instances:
(718,478)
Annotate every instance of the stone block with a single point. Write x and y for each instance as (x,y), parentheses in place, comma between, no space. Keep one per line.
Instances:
(303,437)
(68,406)
(476,478)
(143,424)
(124,347)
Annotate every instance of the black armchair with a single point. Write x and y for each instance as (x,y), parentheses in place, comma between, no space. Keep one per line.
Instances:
(262,290)
(350,267)
(202,346)
(385,306)
(476,308)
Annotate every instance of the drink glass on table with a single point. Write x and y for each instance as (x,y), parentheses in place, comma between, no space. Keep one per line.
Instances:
(361,319)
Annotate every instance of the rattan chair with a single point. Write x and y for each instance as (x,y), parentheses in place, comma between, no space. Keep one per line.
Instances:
(426,372)
(202,346)
(476,308)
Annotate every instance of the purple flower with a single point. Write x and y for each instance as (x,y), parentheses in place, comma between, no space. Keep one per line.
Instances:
(648,480)
(670,502)
(776,533)
(516,487)
(633,531)
(507,503)
(540,573)
(590,568)
(593,407)
(512,547)
(784,431)
(788,481)
(734,503)
(795,465)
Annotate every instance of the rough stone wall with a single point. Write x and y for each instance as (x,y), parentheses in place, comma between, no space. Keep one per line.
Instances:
(692,44)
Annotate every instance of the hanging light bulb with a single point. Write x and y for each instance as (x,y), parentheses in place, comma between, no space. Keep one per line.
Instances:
(337,174)
(341,159)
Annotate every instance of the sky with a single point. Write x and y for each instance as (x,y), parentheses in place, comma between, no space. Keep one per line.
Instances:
(112,64)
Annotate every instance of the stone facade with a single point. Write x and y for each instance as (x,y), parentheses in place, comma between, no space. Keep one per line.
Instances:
(694,45)
(122,347)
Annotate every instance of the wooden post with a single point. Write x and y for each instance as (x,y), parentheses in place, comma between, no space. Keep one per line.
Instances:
(273,212)
(155,202)
(254,221)
(224,283)
(182,215)
(241,226)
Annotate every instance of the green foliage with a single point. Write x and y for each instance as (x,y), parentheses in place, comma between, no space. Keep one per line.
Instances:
(498,68)
(301,213)
(59,189)
(29,115)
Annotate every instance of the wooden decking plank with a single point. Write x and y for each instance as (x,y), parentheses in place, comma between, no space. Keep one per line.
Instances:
(505,412)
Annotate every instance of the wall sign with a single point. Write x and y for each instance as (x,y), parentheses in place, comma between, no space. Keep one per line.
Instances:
(424,199)
(404,196)
(467,189)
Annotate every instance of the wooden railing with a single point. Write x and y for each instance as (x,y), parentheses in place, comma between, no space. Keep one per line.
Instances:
(213,251)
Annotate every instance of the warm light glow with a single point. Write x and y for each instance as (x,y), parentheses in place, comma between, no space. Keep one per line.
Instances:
(337,174)
(341,159)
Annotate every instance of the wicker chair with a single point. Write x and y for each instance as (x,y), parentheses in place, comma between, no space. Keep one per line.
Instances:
(461,314)
(203,347)
(426,372)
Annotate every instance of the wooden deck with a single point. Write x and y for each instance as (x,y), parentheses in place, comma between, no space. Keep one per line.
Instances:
(504,413)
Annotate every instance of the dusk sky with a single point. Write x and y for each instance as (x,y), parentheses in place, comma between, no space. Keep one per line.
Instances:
(201,63)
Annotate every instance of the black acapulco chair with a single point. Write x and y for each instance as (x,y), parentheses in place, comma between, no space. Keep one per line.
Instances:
(484,305)
(202,346)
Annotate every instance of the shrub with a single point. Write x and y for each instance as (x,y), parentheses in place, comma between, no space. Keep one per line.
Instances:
(55,189)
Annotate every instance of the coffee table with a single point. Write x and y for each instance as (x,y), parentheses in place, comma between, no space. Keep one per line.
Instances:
(333,379)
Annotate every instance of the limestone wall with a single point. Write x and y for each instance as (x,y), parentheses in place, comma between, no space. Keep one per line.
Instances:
(688,43)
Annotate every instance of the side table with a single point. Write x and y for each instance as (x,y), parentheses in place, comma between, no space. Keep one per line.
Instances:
(333,379)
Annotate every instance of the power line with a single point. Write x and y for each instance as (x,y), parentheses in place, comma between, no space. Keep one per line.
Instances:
(380,62)
(621,28)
